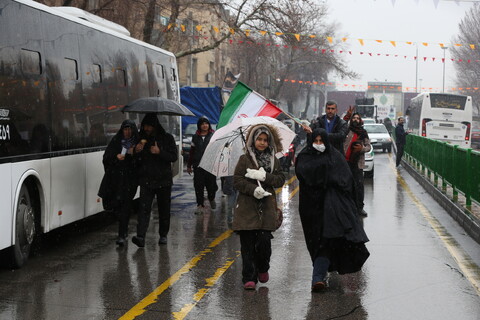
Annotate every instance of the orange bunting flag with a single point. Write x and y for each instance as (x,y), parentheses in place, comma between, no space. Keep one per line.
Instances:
(247,33)
(330,39)
(312,36)
(199,28)
(472,46)
(361,41)
(297,36)
(279,33)
(393,43)
(425,44)
(169,26)
(441,45)
(409,42)
(344,39)
(458,44)
(379,41)
(263,33)
(182,27)
(216,29)
(232,31)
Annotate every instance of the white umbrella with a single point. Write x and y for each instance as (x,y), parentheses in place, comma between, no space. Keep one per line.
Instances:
(227,144)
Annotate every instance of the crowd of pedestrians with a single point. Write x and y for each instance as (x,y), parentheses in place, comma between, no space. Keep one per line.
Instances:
(331,193)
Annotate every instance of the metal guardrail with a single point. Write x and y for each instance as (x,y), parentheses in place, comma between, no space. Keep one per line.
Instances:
(450,165)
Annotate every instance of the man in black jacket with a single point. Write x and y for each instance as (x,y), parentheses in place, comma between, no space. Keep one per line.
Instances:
(400,139)
(153,158)
(202,178)
(336,127)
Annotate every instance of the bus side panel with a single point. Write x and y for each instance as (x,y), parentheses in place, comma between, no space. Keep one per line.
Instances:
(67,198)
(6,211)
(94,175)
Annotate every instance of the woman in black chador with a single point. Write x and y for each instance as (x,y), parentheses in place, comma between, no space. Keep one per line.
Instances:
(119,183)
(333,233)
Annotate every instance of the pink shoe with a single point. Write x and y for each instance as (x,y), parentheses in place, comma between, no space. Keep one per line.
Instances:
(263,277)
(250,285)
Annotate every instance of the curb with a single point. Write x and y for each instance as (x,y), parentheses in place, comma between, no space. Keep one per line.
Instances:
(468,222)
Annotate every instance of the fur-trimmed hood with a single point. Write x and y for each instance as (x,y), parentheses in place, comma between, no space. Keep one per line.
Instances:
(274,141)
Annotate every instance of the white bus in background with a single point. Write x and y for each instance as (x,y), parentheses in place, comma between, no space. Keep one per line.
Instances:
(441,116)
(64,77)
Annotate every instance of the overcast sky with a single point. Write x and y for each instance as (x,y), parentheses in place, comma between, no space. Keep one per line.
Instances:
(406,20)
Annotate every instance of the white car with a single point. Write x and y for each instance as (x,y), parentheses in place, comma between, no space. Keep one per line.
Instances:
(368,121)
(379,136)
(369,164)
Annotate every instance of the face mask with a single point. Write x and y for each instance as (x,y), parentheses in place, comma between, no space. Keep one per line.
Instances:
(319,147)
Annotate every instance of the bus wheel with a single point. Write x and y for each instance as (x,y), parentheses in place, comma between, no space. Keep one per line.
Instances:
(24,228)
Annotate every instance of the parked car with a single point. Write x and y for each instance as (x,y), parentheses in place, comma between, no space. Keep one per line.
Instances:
(368,121)
(475,139)
(368,171)
(379,136)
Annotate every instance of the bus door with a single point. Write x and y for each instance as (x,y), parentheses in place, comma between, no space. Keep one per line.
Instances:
(67,119)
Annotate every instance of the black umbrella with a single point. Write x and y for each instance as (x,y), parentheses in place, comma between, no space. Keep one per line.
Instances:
(158,105)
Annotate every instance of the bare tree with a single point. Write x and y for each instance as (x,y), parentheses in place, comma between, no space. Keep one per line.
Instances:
(468,73)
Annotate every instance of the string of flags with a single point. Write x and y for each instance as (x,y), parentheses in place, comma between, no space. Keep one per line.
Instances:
(362,41)
(365,87)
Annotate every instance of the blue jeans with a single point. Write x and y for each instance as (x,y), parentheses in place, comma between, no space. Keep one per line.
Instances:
(320,269)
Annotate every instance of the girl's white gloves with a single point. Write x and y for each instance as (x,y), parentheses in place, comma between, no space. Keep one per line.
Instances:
(260,193)
(259,174)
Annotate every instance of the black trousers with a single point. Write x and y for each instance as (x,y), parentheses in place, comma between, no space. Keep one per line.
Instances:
(123,212)
(359,192)
(399,155)
(256,249)
(202,179)
(163,195)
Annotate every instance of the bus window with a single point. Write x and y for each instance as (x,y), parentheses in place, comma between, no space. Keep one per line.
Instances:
(31,62)
(71,69)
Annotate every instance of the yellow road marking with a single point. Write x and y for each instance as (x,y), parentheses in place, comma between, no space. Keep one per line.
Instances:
(210,282)
(469,268)
(286,184)
(140,307)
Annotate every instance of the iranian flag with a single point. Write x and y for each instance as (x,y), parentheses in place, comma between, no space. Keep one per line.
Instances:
(246,103)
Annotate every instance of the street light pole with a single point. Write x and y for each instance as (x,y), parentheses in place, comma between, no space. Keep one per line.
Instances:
(444,61)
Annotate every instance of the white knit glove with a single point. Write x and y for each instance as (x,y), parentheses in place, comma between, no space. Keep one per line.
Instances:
(259,174)
(260,193)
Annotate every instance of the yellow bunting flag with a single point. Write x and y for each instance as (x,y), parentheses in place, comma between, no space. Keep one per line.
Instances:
(361,41)
(169,26)
(330,39)
(297,36)
(263,33)
(344,39)
(472,46)
(216,29)
(247,33)
(393,43)
(199,27)
(279,33)
(232,31)
(425,44)
(182,27)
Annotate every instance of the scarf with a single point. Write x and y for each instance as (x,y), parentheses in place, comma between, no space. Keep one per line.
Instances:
(263,158)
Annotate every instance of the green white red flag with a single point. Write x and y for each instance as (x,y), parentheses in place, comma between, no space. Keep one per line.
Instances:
(246,103)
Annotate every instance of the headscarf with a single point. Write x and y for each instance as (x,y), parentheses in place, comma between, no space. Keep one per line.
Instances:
(130,142)
(263,157)
(311,137)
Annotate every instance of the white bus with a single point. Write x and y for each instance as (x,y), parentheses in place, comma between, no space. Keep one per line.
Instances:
(64,77)
(441,116)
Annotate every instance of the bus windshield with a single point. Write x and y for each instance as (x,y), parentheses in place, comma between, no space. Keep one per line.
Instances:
(446,101)
(366,111)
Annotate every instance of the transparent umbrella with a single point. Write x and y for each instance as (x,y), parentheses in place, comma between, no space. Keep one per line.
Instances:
(227,144)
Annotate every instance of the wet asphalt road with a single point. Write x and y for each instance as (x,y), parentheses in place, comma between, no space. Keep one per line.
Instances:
(422,266)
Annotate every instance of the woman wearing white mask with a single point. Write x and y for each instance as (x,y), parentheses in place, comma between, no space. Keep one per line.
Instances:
(333,233)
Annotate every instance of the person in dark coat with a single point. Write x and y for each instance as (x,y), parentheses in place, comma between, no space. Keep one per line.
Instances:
(119,184)
(257,174)
(154,156)
(333,232)
(400,139)
(202,178)
(336,127)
